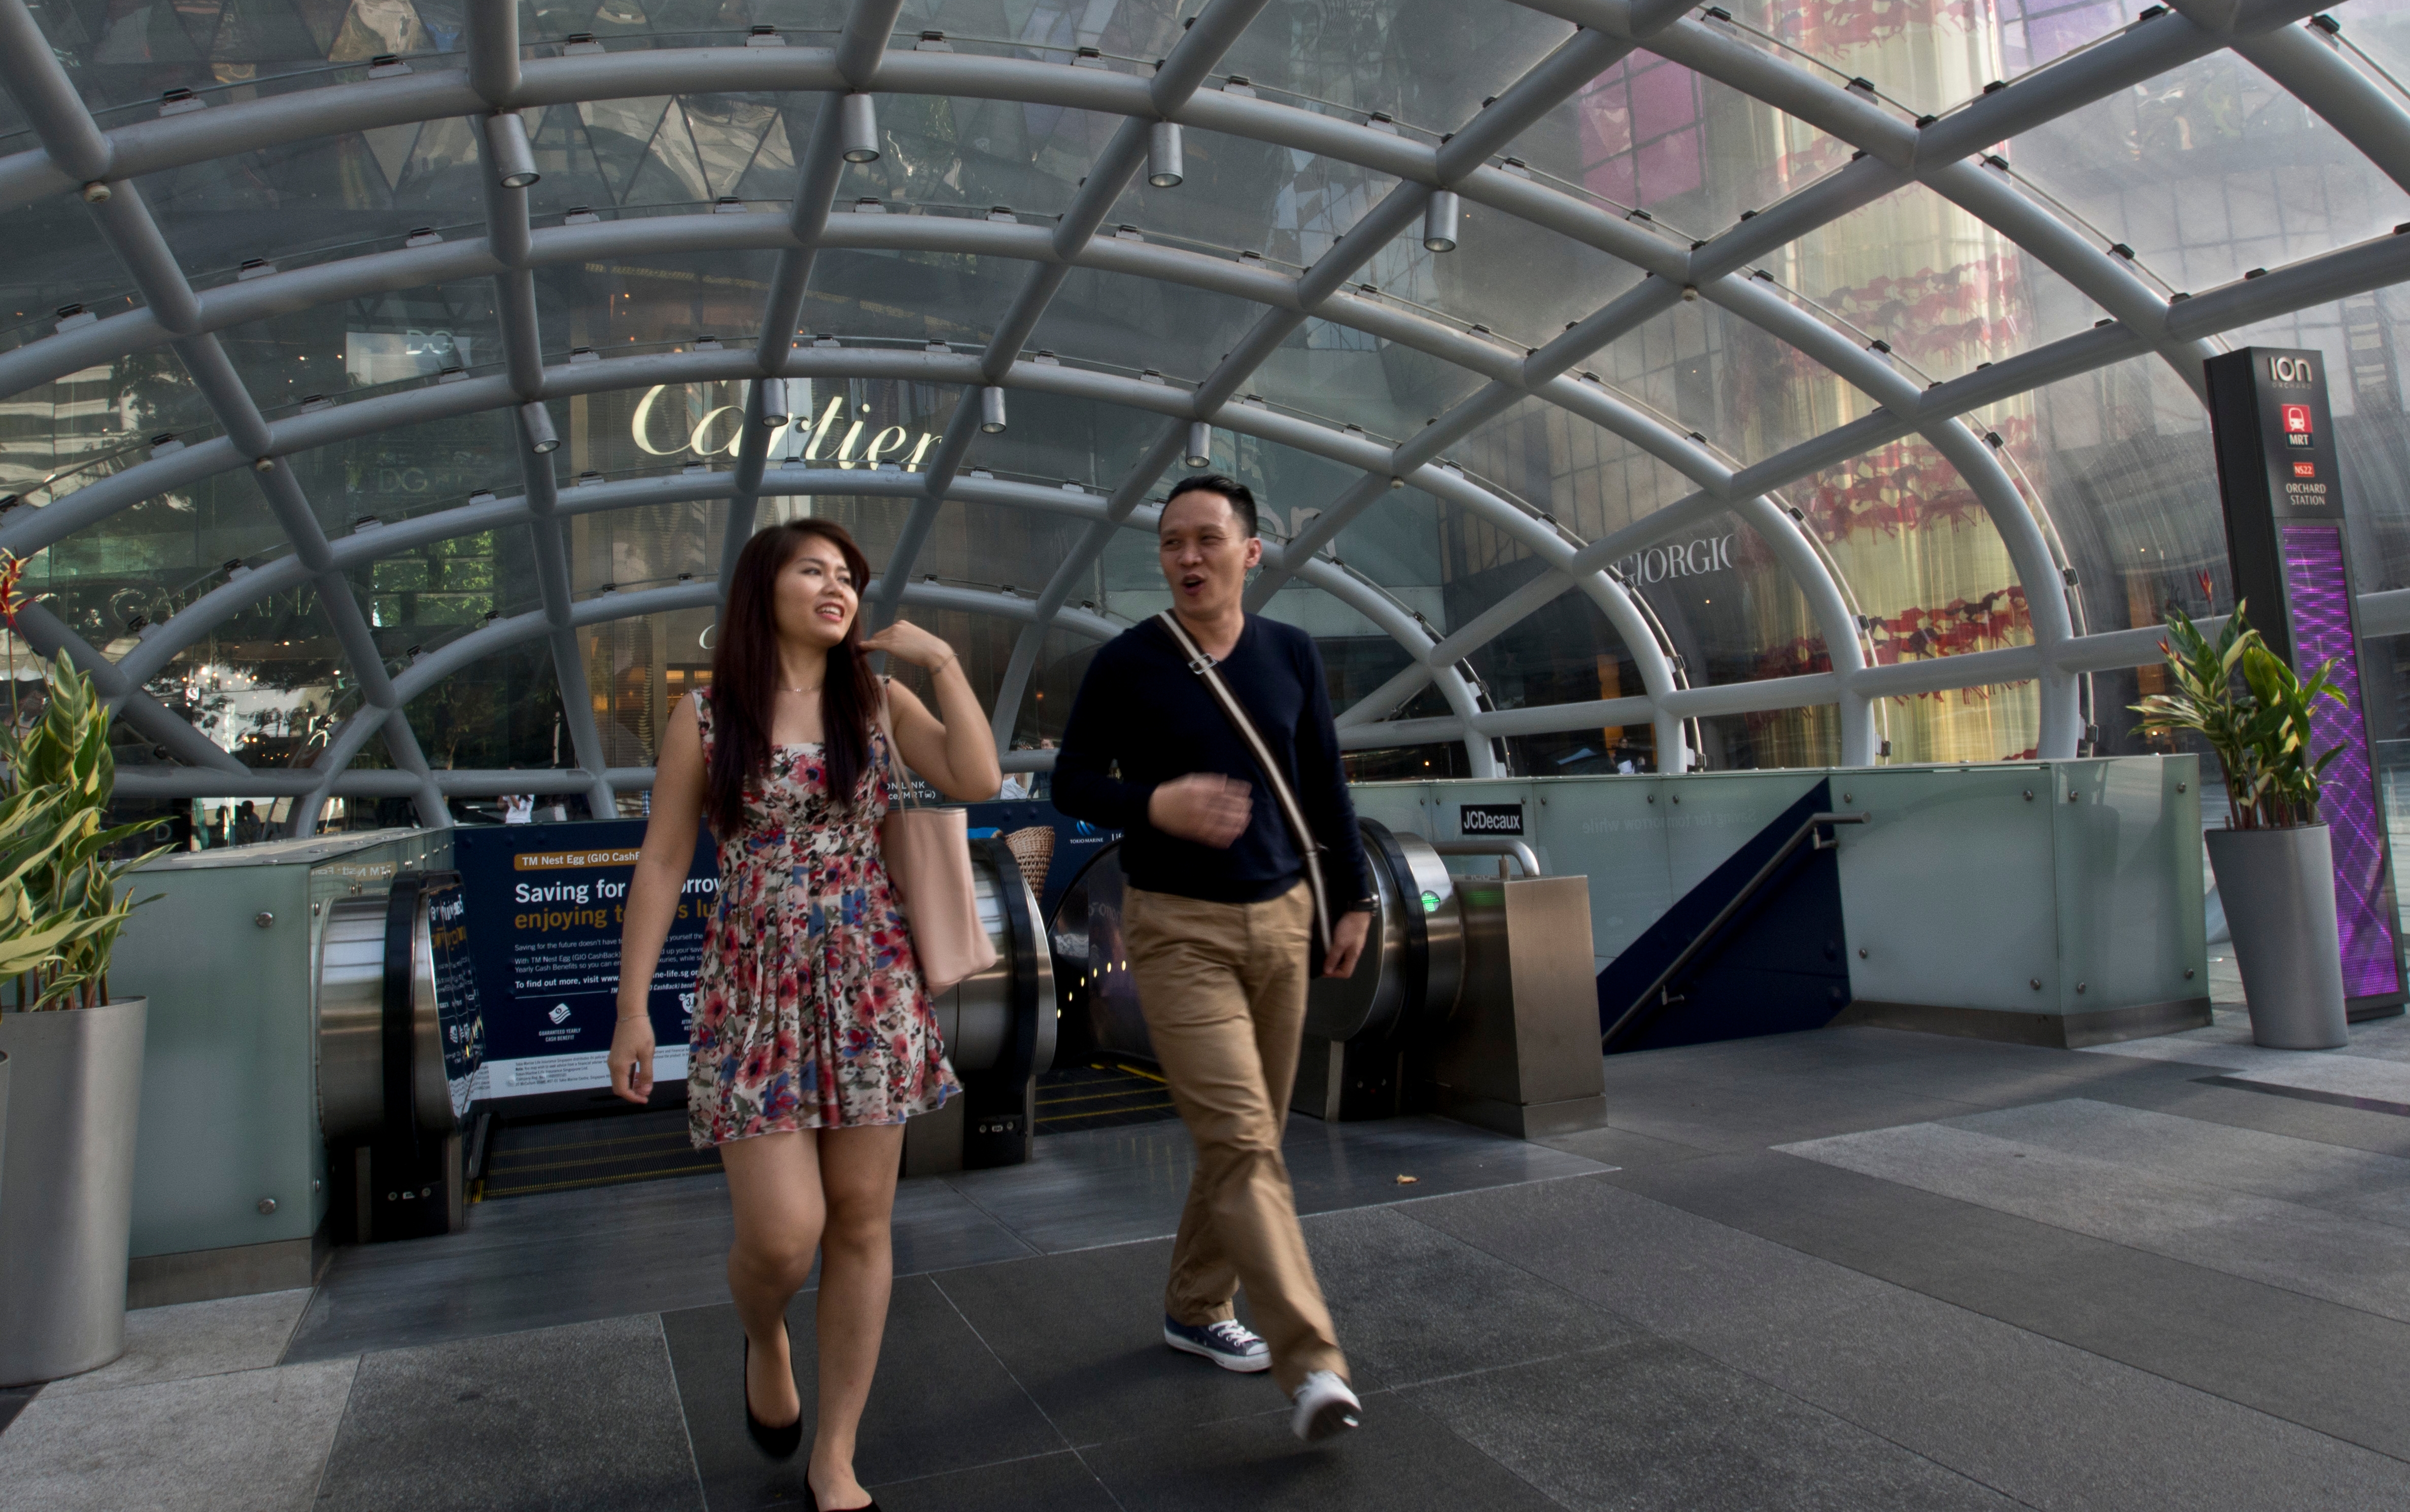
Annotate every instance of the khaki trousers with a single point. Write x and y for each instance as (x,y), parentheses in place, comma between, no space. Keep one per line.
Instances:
(1223,988)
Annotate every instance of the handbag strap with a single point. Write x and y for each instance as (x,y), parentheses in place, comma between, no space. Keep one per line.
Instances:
(897,777)
(1205,669)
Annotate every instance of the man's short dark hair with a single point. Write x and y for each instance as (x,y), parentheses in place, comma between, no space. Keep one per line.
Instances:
(1243,499)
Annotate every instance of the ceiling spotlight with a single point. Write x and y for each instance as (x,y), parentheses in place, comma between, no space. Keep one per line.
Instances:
(514,161)
(537,421)
(1200,444)
(858,127)
(1164,168)
(992,409)
(1439,216)
(773,401)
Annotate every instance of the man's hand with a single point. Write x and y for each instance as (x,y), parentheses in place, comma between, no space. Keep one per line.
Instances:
(1347,942)
(1205,807)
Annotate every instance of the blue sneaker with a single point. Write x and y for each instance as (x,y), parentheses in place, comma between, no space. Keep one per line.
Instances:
(1228,1343)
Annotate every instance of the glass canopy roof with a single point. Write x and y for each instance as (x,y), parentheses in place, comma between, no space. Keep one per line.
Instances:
(387,381)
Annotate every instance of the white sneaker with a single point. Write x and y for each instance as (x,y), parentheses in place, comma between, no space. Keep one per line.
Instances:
(1323,1406)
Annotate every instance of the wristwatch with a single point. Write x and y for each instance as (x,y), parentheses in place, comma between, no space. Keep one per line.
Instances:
(1365,905)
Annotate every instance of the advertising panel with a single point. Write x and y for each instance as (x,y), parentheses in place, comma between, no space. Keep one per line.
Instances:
(543,906)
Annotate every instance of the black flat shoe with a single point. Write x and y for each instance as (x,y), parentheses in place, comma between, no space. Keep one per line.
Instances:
(777,1443)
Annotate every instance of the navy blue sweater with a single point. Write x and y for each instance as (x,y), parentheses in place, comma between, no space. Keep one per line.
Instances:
(1140,708)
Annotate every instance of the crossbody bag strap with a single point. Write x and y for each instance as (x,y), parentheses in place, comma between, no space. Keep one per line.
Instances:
(1203,666)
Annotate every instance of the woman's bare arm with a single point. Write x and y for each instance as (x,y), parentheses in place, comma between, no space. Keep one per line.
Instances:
(952,747)
(653,895)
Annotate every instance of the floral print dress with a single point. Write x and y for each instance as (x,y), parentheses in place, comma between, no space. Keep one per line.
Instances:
(809,1010)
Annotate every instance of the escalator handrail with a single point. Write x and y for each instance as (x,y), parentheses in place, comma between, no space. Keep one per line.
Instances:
(1659,988)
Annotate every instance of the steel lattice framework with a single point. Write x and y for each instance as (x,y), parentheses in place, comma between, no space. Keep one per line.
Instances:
(1945,154)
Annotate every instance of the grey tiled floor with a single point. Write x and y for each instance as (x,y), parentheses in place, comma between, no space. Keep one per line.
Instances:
(1856,1269)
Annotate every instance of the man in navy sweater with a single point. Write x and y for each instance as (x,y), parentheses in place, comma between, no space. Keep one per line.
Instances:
(1219,924)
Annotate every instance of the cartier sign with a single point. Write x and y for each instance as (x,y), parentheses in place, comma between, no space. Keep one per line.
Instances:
(832,439)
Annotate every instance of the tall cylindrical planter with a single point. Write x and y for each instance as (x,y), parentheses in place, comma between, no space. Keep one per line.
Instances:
(2278,887)
(66,1187)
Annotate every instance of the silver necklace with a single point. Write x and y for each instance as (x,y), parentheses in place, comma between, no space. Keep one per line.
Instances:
(803,690)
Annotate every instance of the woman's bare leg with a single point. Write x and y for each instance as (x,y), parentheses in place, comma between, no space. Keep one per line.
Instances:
(773,1187)
(858,1169)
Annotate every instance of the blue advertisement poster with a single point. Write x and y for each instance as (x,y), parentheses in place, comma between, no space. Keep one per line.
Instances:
(543,905)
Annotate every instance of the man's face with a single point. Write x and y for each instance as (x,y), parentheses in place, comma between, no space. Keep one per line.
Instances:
(1206,554)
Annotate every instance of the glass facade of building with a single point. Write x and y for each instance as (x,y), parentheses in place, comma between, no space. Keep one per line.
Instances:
(1784,354)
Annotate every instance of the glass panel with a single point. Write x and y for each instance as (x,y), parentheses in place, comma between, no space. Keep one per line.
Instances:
(411,470)
(1924,54)
(974,154)
(1056,438)
(2208,172)
(1648,134)
(1748,392)
(2036,32)
(141,564)
(360,347)
(1998,723)
(57,438)
(650,546)
(1923,564)
(1131,323)
(1944,291)
(503,711)
(1347,376)
(1523,281)
(661,301)
(2122,459)
(637,670)
(913,297)
(269,684)
(1427,63)
(1774,739)
(1244,193)
(1590,478)
(423,597)
(56,257)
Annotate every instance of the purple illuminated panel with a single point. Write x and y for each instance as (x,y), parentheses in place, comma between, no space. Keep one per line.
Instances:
(2320,600)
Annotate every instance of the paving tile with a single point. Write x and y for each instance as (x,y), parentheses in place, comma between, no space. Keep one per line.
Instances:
(584,1415)
(2354,1183)
(2205,1102)
(1412,1304)
(1048,1483)
(1934,1377)
(1115,1186)
(1615,1147)
(579,1255)
(2331,1368)
(940,1402)
(1083,1332)
(245,1441)
(1657,1424)
(195,1338)
(2283,1244)
(12,1402)
(1402,1459)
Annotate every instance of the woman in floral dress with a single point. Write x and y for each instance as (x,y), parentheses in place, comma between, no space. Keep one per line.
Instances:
(813,1037)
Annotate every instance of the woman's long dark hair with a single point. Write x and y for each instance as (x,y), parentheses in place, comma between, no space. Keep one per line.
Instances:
(744,675)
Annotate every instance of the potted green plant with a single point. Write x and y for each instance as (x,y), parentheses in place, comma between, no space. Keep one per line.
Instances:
(75,1057)
(2273,860)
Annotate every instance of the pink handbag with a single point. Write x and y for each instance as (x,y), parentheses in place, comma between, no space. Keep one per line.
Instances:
(928,853)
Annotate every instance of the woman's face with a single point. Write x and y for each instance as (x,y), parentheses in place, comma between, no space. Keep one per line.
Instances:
(817,596)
